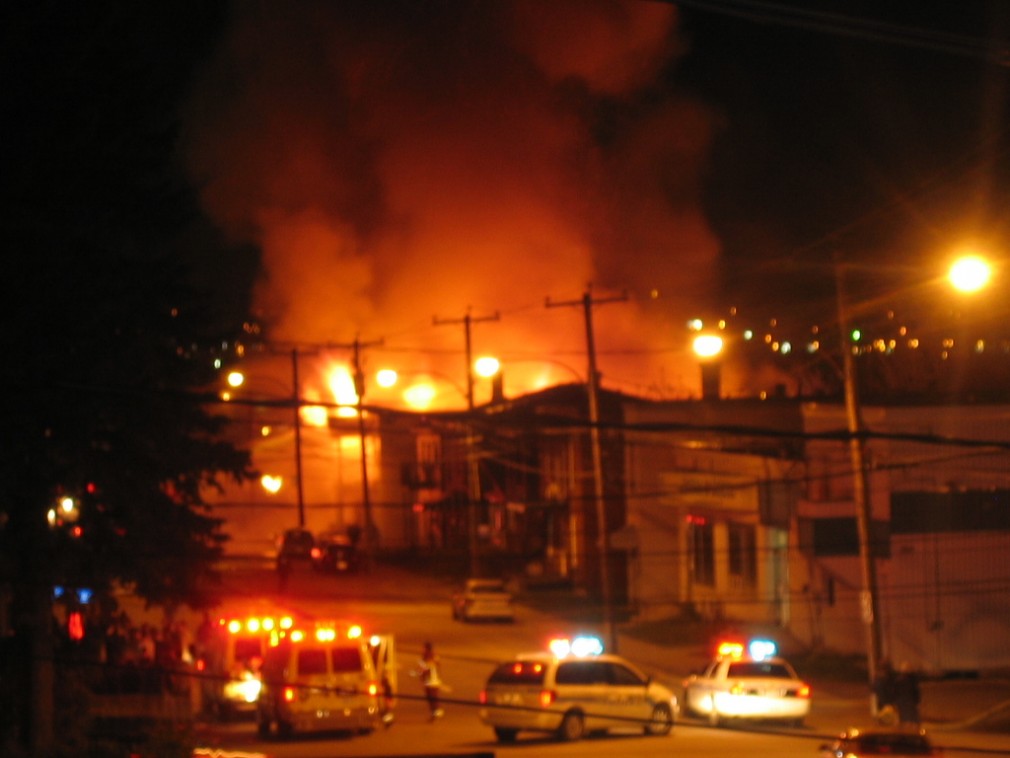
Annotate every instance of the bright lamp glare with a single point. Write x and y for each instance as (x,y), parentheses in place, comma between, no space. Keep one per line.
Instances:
(486,366)
(386,377)
(707,345)
(969,274)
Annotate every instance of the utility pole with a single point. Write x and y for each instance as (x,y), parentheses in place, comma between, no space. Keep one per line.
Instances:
(359,391)
(860,487)
(473,469)
(296,401)
(592,390)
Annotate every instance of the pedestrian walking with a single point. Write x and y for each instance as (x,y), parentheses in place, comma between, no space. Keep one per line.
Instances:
(431,678)
(907,695)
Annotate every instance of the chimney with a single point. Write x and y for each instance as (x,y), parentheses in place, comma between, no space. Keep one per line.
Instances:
(711,380)
(498,388)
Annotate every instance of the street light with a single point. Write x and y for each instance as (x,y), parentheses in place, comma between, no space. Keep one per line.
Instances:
(967,274)
(236,380)
(708,347)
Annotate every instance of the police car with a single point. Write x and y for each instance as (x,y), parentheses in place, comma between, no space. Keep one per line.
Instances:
(750,684)
(572,690)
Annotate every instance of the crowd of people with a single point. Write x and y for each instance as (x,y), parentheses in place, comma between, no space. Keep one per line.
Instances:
(123,657)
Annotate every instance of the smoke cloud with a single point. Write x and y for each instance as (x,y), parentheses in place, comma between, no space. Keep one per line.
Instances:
(401,161)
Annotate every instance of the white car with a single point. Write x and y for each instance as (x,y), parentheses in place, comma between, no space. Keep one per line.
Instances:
(573,691)
(486,599)
(756,685)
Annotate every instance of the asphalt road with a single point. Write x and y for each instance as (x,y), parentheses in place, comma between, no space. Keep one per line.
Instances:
(415,607)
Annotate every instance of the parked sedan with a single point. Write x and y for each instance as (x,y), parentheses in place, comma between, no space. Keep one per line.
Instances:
(855,743)
(756,685)
(336,555)
(486,599)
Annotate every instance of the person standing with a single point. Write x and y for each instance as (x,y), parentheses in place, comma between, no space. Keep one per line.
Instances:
(907,695)
(884,686)
(431,679)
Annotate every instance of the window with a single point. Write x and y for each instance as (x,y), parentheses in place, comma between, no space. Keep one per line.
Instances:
(752,669)
(703,552)
(346,659)
(519,672)
(311,661)
(622,676)
(579,672)
(743,553)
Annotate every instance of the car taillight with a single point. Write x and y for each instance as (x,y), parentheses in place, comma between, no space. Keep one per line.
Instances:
(201,664)
(482,697)
(803,691)
(547,697)
(289,694)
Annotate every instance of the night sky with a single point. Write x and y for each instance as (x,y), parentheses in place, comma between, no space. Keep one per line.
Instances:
(376,166)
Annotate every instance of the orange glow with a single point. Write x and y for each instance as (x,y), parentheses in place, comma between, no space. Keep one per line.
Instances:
(341,384)
(420,396)
(314,415)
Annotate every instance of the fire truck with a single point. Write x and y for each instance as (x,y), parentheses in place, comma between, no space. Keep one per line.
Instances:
(326,676)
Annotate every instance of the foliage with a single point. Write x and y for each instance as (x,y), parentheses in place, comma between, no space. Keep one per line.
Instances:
(107,342)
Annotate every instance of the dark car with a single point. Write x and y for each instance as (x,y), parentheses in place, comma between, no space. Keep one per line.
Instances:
(296,548)
(336,554)
(896,741)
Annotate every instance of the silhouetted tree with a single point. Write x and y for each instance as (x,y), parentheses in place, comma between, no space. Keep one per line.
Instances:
(107,344)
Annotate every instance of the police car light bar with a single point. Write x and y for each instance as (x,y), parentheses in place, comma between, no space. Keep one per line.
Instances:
(761,649)
(580,646)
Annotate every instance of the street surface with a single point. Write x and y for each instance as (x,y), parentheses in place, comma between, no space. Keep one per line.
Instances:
(417,610)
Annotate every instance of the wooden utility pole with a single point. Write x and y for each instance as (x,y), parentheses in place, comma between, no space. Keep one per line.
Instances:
(359,390)
(592,390)
(473,468)
(860,487)
(296,400)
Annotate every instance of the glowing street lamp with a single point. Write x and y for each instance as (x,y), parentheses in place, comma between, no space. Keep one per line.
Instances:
(708,347)
(969,273)
(486,366)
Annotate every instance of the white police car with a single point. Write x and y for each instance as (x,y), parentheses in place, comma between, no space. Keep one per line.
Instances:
(755,685)
(573,690)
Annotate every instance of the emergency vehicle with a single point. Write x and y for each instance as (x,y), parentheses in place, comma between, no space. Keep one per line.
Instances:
(326,676)
(749,682)
(231,661)
(572,690)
